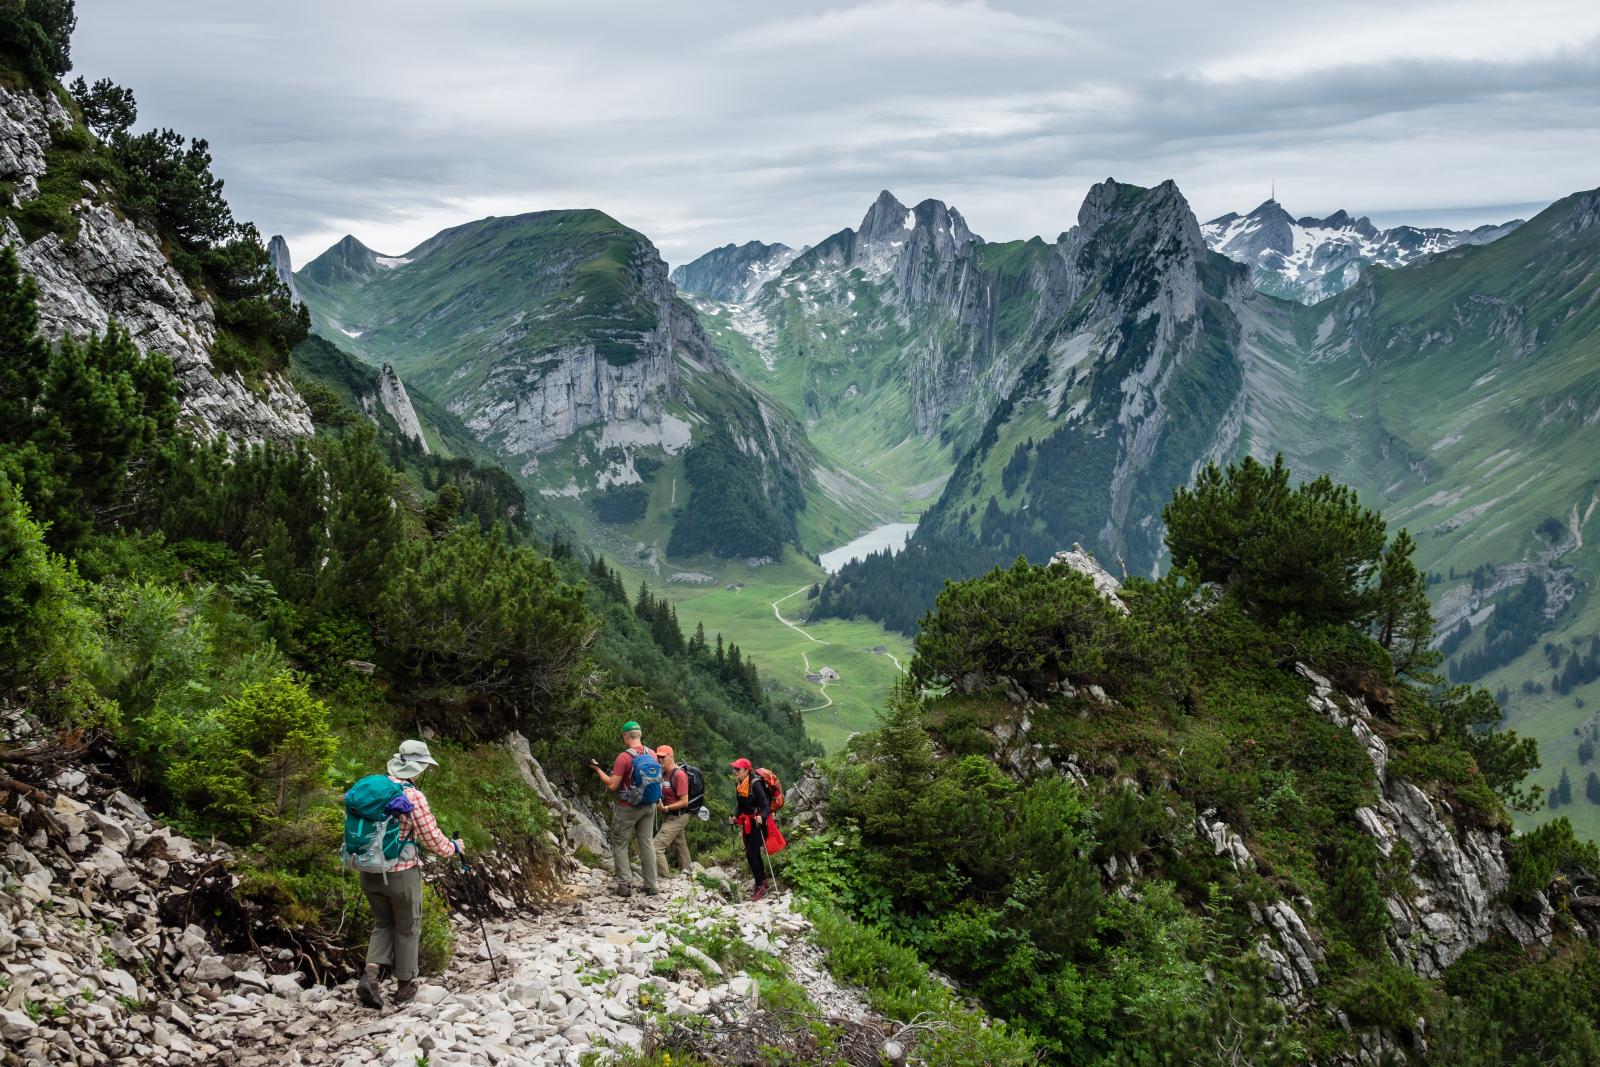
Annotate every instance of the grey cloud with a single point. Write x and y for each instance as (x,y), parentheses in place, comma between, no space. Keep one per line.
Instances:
(707,123)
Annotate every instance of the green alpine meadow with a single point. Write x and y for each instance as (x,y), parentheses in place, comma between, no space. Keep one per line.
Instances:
(1167,642)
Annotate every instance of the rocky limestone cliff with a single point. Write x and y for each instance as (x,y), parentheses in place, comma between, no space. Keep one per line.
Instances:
(393,399)
(114,269)
(531,401)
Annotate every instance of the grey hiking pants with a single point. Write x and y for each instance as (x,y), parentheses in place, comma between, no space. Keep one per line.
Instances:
(396,920)
(634,824)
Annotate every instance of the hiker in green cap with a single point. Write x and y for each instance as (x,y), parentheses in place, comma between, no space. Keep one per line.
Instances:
(636,779)
(387,823)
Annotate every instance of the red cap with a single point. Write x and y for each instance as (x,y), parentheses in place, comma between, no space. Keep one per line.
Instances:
(742,763)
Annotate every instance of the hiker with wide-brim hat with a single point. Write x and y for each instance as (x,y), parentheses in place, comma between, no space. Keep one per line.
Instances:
(636,780)
(393,885)
(753,809)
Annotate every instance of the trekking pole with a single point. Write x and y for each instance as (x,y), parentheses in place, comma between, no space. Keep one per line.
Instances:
(771,872)
(488,946)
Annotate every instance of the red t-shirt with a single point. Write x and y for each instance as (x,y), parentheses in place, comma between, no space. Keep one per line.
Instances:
(676,787)
(623,769)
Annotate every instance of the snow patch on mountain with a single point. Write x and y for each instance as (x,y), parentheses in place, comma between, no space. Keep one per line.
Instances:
(1309,259)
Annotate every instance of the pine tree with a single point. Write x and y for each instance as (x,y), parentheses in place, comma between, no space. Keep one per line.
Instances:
(1586,751)
(1591,788)
(1403,621)
(87,424)
(1565,787)
(363,524)
(644,606)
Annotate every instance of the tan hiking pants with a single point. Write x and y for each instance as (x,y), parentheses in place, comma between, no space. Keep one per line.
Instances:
(672,836)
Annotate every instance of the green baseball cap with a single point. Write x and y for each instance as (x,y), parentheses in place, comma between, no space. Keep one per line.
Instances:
(629,726)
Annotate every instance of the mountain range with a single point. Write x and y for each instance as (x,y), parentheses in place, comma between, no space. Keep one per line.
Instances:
(1057,393)
(1016,397)
(558,340)
(1307,259)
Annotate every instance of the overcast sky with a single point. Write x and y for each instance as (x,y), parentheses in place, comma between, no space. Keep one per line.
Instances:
(704,123)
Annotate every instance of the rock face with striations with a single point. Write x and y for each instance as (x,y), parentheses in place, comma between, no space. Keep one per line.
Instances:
(529,327)
(278,249)
(114,270)
(392,396)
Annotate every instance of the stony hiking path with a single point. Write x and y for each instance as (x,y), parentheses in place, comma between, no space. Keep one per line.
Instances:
(103,960)
(576,977)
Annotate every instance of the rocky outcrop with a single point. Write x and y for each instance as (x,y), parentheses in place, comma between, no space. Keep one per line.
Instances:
(1457,876)
(580,830)
(114,269)
(393,399)
(278,250)
(1104,583)
(530,402)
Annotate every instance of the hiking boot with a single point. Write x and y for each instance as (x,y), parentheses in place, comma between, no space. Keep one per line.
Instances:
(761,891)
(622,890)
(405,991)
(650,891)
(367,991)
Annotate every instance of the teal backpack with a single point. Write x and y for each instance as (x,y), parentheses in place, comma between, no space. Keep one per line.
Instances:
(372,811)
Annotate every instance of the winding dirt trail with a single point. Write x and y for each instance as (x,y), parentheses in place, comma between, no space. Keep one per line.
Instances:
(822,687)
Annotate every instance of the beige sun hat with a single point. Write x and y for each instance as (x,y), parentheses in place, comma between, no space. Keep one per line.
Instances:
(412,759)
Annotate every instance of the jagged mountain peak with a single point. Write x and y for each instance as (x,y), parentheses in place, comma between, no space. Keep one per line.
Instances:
(734,273)
(1309,258)
(282,264)
(1134,213)
(886,219)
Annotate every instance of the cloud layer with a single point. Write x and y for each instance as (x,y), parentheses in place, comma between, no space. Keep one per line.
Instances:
(717,121)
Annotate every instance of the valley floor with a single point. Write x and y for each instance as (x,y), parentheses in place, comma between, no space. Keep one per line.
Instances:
(762,609)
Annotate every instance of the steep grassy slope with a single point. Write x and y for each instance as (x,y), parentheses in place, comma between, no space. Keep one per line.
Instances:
(535,282)
(1466,396)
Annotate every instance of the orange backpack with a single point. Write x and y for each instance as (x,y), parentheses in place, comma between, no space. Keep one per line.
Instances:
(774,787)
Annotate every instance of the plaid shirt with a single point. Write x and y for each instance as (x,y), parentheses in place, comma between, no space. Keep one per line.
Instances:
(420,826)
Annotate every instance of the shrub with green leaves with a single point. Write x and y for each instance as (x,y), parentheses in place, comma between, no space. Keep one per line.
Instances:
(1310,551)
(256,758)
(473,614)
(1034,624)
(78,421)
(47,634)
(36,38)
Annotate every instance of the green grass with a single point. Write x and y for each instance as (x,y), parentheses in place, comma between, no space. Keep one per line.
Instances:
(745,616)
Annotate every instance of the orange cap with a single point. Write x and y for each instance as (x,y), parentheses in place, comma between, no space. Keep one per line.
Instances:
(664,750)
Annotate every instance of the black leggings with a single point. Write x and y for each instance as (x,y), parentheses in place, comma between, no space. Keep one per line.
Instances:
(753,850)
